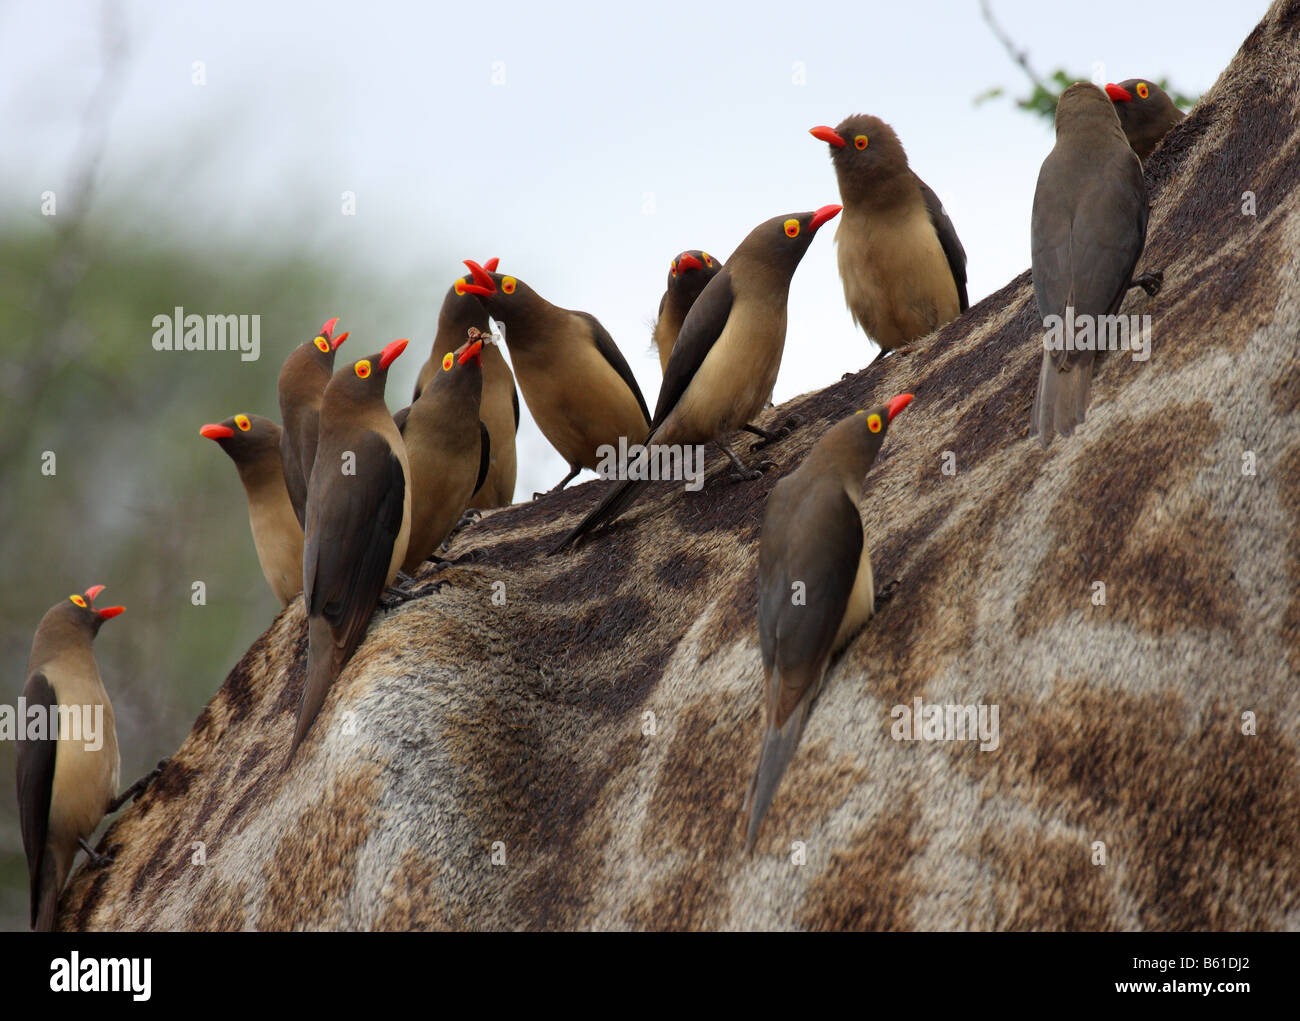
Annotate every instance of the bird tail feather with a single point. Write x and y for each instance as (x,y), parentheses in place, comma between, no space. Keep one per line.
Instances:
(779,745)
(613,503)
(1061,401)
(322,668)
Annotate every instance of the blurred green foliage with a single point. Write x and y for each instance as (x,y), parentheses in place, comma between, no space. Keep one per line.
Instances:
(1045,95)
(139,502)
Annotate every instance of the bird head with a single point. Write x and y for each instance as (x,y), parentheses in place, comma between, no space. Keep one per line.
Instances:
(80,609)
(325,343)
(365,378)
(865,152)
(691,267)
(244,436)
(780,242)
(1139,101)
(501,295)
(872,424)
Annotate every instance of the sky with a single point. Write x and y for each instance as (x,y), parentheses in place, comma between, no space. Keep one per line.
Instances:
(583,144)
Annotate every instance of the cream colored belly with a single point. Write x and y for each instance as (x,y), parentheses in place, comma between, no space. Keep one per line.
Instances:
(403,536)
(862,601)
(580,405)
(277,537)
(897,282)
(735,381)
(85,781)
(498,415)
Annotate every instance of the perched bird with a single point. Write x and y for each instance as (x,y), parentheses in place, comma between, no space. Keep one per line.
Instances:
(253,443)
(358,521)
(902,265)
(814,585)
(499,410)
(1146,113)
(448,449)
(576,382)
(66,785)
(302,381)
(687,275)
(724,364)
(1088,228)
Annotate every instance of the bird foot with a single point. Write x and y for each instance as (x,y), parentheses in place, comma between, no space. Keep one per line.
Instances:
(137,788)
(885,594)
(396,597)
(97,860)
(779,433)
(475,556)
(1150,282)
(747,473)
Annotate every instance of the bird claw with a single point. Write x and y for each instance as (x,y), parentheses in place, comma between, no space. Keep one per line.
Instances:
(885,595)
(1150,282)
(97,860)
(396,597)
(777,434)
(751,472)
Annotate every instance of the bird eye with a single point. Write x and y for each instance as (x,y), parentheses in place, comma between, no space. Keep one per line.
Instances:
(860,142)
(672,268)
(792,228)
(79,601)
(362,368)
(1142,90)
(508,285)
(322,345)
(448,361)
(873,422)
(708,259)
(459,285)
(243,423)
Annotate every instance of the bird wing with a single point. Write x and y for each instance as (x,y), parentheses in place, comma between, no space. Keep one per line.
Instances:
(350,540)
(610,352)
(1087,231)
(485,456)
(35,767)
(400,417)
(514,399)
(811,534)
(952,248)
(700,330)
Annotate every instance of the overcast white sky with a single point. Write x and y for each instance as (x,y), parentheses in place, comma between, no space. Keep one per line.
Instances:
(619,137)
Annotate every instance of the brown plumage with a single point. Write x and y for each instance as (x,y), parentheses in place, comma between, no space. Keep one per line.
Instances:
(814,585)
(688,274)
(1087,232)
(1145,111)
(575,381)
(303,378)
(358,521)
(499,409)
(64,788)
(254,444)
(901,262)
(725,362)
(448,449)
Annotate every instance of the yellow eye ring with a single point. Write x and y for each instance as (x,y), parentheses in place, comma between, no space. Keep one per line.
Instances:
(362,368)
(243,423)
(873,422)
(1142,90)
(860,142)
(79,601)
(708,259)
(672,268)
(508,285)
(448,360)
(459,286)
(322,345)
(792,228)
